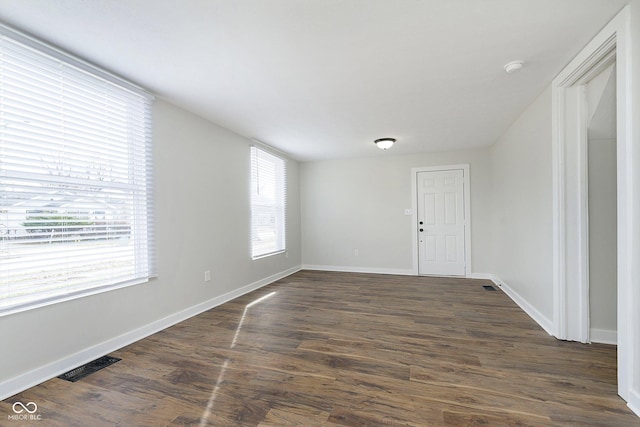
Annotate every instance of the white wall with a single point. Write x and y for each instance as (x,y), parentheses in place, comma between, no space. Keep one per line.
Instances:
(359,204)
(603,277)
(202,223)
(522,207)
(602,209)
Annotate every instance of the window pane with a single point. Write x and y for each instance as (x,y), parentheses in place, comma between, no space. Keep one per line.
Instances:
(268,200)
(75,179)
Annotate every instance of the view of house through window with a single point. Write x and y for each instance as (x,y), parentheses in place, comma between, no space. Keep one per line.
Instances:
(75,179)
(268,200)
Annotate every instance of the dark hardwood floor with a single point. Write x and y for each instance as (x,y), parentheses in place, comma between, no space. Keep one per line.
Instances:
(328,349)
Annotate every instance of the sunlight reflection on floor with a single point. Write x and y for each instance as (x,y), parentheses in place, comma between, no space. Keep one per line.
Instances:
(207,412)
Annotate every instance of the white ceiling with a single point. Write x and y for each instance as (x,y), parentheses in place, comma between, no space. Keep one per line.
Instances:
(322,79)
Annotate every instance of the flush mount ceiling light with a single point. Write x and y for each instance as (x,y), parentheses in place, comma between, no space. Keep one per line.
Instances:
(384,143)
(513,66)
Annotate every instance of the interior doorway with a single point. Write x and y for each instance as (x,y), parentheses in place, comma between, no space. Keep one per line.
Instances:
(602,206)
(571,300)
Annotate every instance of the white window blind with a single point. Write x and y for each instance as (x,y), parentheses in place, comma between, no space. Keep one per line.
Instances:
(75,177)
(268,202)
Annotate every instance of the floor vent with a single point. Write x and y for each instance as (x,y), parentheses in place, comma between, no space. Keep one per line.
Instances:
(88,369)
(488,288)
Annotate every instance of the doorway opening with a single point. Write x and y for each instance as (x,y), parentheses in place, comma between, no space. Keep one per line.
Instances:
(602,206)
(571,299)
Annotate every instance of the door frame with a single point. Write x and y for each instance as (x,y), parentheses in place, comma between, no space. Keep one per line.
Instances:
(570,209)
(466,196)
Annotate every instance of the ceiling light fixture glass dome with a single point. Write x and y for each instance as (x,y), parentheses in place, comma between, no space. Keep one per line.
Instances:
(384,143)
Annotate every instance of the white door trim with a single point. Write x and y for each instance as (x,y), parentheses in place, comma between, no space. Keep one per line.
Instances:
(570,210)
(467,212)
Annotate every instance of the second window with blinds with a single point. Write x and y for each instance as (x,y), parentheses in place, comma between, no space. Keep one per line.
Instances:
(268,202)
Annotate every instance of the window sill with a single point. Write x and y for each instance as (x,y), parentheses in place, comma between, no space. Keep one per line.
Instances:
(70,296)
(254,258)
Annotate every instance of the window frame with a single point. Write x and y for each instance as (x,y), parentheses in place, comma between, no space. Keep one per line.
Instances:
(143,252)
(279,204)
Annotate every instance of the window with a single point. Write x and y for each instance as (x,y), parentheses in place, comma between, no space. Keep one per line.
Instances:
(268,201)
(75,177)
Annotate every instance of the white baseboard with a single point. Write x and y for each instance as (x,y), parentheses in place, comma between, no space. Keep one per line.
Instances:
(485,276)
(634,401)
(395,271)
(36,376)
(603,336)
(538,317)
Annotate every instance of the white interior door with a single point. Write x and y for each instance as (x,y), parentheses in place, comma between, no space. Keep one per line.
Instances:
(441,222)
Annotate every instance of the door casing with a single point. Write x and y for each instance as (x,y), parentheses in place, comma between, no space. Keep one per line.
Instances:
(570,209)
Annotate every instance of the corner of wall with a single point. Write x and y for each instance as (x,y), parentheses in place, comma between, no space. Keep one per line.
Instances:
(538,317)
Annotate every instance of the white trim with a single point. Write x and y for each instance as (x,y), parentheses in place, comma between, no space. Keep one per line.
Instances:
(569,238)
(594,58)
(591,60)
(354,269)
(414,221)
(481,276)
(604,336)
(634,402)
(36,376)
(73,295)
(583,216)
(542,320)
(267,255)
(558,220)
(467,213)
(269,149)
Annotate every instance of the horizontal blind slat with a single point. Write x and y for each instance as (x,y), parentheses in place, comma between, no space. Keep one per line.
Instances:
(268,200)
(75,178)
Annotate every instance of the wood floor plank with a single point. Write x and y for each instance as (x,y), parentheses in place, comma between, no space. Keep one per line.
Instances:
(470,419)
(347,349)
(292,415)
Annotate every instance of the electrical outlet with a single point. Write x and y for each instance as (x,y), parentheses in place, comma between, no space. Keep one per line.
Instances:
(207,276)
(356,252)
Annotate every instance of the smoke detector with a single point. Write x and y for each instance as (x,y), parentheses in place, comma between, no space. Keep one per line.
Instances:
(513,66)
